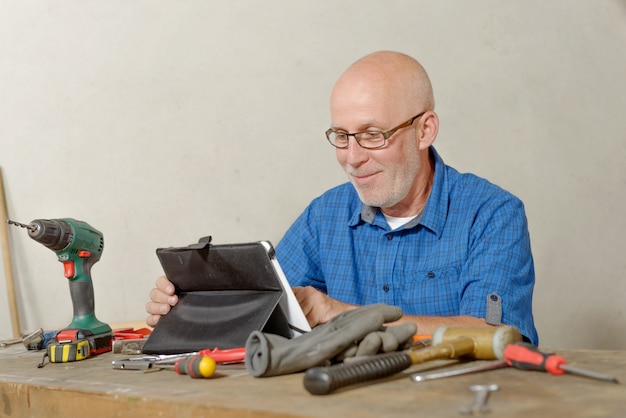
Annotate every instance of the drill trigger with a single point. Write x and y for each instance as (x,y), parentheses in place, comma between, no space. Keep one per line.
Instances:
(69,270)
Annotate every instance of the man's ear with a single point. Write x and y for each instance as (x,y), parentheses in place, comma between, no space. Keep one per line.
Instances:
(429,126)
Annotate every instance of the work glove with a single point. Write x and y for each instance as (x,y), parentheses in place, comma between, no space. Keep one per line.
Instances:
(273,355)
(385,340)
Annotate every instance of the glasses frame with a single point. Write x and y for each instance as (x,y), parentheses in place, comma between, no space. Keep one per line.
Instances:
(386,134)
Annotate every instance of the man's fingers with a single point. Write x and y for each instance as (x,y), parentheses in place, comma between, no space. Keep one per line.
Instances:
(165,285)
(154,308)
(158,296)
(162,298)
(300,293)
(309,300)
(152,320)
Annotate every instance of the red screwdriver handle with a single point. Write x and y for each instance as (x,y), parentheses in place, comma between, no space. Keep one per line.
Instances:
(526,356)
(229,355)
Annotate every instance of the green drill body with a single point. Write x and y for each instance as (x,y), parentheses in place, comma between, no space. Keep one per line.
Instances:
(78,246)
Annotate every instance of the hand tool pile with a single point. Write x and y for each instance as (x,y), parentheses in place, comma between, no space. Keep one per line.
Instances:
(502,344)
(476,343)
(200,364)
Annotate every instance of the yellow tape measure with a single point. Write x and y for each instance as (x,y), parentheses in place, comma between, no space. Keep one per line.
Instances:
(66,352)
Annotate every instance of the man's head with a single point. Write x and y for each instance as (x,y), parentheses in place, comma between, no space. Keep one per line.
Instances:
(377,93)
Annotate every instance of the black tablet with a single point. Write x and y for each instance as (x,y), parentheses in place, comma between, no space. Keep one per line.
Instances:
(225,292)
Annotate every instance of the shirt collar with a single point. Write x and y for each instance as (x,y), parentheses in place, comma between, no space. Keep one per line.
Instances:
(436,210)
(434,214)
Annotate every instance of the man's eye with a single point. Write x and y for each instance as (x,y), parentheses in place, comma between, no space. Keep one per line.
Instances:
(371,136)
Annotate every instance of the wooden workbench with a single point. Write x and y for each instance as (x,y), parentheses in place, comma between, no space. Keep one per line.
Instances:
(92,388)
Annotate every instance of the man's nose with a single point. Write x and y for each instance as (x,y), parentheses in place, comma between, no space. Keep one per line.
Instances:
(355,154)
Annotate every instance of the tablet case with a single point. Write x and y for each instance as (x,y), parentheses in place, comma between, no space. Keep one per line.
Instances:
(225,292)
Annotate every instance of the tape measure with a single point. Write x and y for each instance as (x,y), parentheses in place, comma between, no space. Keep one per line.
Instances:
(66,352)
(76,344)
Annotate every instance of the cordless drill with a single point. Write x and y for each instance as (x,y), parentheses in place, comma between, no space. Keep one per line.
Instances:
(78,246)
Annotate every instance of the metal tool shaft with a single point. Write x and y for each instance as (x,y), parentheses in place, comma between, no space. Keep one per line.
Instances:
(588,373)
(420,377)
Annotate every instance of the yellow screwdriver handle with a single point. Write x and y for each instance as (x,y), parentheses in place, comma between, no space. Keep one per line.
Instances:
(196,366)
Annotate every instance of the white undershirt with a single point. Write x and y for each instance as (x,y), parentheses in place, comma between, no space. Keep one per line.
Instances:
(395,223)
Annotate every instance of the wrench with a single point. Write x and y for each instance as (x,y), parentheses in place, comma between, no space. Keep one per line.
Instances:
(7,343)
(481,397)
(26,339)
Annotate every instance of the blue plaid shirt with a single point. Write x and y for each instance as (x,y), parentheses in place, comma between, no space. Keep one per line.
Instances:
(470,247)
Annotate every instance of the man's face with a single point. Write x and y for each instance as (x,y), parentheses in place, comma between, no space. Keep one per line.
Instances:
(382,177)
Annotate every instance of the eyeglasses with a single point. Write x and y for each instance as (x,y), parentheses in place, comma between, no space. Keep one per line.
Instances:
(368,139)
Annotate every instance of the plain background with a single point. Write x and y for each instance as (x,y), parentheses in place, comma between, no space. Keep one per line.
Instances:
(159,122)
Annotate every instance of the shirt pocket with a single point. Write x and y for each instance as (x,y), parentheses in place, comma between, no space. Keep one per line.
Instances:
(432,292)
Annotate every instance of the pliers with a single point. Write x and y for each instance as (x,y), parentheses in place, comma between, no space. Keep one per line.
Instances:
(230,355)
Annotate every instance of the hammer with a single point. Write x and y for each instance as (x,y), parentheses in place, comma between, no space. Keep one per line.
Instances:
(480,343)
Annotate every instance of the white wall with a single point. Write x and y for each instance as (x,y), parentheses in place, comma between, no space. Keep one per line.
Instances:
(161,122)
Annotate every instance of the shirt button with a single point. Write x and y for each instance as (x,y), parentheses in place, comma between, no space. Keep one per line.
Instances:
(389,237)
(431,275)
(494,298)
(386,288)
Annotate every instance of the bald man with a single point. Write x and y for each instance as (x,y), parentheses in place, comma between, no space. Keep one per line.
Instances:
(407,230)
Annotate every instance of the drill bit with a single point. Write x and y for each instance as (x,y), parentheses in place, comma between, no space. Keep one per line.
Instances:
(31,227)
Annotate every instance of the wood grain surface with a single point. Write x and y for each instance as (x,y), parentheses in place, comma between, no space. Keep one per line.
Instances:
(93,388)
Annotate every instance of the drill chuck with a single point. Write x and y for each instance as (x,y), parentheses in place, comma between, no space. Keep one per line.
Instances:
(55,234)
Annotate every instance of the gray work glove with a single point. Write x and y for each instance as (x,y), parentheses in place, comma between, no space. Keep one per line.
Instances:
(273,355)
(385,340)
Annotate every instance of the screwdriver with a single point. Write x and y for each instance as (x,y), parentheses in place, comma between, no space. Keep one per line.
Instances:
(526,356)
(195,366)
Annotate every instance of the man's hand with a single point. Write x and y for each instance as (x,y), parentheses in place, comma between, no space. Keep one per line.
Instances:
(318,307)
(162,298)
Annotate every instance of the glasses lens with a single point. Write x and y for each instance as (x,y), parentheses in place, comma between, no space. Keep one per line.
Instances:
(338,139)
(372,139)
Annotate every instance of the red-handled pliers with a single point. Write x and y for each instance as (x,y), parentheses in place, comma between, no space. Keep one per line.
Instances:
(229,355)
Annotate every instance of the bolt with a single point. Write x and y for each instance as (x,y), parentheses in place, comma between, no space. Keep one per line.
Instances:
(481,397)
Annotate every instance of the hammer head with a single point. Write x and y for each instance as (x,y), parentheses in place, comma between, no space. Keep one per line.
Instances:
(489,342)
